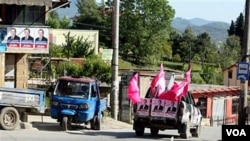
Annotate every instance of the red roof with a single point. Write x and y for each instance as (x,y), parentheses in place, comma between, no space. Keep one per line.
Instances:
(77,79)
(228,90)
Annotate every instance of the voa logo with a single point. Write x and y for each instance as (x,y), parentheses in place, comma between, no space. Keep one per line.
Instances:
(236,132)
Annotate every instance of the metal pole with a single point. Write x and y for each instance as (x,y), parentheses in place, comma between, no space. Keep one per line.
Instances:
(115,82)
(244,89)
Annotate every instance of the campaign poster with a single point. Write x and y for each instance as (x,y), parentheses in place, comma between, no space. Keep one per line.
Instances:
(143,107)
(13,39)
(170,109)
(157,108)
(27,39)
(41,40)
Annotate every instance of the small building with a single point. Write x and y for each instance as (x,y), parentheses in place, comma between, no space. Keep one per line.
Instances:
(218,105)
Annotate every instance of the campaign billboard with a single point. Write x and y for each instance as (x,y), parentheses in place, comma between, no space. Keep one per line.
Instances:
(27,40)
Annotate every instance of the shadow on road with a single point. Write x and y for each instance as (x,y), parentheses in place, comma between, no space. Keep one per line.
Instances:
(115,133)
(48,126)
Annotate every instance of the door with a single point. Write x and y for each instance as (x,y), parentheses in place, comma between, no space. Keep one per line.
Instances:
(218,112)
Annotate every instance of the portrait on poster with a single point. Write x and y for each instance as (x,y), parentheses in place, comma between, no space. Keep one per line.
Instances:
(157,108)
(13,40)
(41,40)
(143,107)
(170,109)
(27,41)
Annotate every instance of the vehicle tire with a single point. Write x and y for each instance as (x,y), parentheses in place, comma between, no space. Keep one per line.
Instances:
(139,132)
(66,123)
(95,123)
(185,130)
(196,132)
(9,118)
(139,128)
(154,131)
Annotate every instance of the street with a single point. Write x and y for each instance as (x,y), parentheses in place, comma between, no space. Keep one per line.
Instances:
(50,131)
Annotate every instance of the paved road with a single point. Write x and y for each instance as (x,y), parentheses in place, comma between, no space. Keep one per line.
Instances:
(47,129)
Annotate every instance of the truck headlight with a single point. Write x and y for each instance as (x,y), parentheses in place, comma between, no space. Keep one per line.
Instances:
(84,106)
(54,103)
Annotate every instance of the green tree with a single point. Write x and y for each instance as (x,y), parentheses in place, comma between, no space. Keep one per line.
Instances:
(68,46)
(187,46)
(95,67)
(145,25)
(231,30)
(229,52)
(89,15)
(55,51)
(77,47)
(54,20)
(64,23)
(202,44)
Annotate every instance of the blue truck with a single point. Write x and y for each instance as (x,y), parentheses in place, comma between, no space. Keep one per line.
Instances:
(16,104)
(77,100)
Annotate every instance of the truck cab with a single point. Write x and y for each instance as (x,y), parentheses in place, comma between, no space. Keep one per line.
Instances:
(77,100)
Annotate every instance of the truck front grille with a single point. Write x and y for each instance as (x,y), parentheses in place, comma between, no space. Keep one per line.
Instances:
(69,106)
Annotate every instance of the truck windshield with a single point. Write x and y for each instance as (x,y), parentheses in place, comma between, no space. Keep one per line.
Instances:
(72,88)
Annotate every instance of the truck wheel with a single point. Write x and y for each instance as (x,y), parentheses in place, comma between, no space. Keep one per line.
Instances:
(154,131)
(196,132)
(9,118)
(139,132)
(185,130)
(139,128)
(66,123)
(95,123)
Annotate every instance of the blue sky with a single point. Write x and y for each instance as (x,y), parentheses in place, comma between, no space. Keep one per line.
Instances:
(212,10)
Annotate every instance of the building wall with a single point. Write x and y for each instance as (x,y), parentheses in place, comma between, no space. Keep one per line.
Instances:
(233,81)
(144,84)
(57,36)
(21,71)
(2,68)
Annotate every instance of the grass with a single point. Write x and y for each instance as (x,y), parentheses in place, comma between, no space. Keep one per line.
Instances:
(123,64)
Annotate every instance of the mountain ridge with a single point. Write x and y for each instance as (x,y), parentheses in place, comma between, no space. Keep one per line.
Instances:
(216,29)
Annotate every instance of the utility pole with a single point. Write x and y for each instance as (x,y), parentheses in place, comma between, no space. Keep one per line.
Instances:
(245,58)
(115,39)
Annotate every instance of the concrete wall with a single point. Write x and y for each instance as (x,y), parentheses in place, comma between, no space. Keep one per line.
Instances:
(232,81)
(57,36)
(21,71)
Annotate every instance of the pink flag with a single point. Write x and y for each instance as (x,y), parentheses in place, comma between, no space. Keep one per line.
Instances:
(179,89)
(158,84)
(133,89)
(188,81)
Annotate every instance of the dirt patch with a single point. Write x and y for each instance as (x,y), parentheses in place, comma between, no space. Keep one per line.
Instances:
(110,123)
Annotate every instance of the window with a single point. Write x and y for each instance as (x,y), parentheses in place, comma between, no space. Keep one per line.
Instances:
(235,104)
(203,106)
(230,74)
(21,15)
